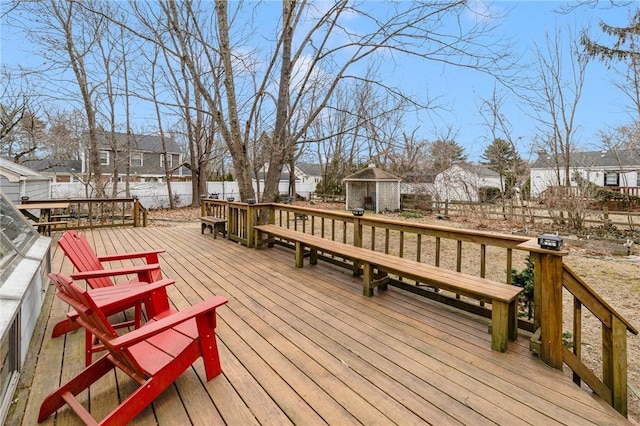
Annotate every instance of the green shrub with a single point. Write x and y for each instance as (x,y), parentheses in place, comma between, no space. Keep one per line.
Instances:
(488,194)
(407,214)
(524,279)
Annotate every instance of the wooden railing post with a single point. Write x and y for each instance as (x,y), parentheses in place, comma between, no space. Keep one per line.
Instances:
(551,310)
(203,208)
(357,232)
(230,221)
(136,212)
(547,300)
(614,362)
(251,212)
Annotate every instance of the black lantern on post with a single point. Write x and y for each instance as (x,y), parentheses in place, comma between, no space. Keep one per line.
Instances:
(357,212)
(550,242)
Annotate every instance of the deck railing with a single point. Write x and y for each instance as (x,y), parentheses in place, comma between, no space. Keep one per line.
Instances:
(87,213)
(474,252)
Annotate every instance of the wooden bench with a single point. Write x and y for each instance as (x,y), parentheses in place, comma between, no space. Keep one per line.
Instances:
(45,227)
(503,297)
(215,225)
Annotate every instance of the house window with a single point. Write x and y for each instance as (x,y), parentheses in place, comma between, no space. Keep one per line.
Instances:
(612,179)
(136,159)
(169,160)
(638,178)
(104,158)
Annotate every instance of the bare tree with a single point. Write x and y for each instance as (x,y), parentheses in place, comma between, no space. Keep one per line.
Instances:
(165,163)
(61,19)
(301,71)
(558,89)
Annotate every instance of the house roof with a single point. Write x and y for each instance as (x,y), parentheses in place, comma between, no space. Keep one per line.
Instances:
(603,159)
(372,174)
(58,167)
(15,172)
(149,143)
(310,169)
(482,171)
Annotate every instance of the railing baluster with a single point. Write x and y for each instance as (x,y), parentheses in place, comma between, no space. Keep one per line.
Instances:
(386,240)
(577,335)
(373,238)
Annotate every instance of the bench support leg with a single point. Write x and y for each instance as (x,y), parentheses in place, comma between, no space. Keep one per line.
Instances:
(299,254)
(313,256)
(500,326)
(367,277)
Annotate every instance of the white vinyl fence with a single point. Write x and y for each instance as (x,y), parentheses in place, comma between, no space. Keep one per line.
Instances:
(154,195)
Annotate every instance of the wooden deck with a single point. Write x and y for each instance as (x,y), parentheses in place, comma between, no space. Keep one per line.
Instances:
(303,346)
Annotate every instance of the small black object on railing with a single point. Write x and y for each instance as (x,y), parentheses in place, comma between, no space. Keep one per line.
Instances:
(230,199)
(358,212)
(550,242)
(213,195)
(251,200)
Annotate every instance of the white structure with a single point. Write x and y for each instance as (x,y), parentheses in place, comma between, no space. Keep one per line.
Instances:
(24,263)
(462,182)
(604,168)
(17,181)
(307,177)
(373,189)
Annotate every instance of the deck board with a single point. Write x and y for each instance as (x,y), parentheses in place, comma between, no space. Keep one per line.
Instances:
(303,346)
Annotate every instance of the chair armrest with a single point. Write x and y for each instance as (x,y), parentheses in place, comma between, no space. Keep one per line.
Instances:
(129,293)
(115,272)
(150,255)
(122,295)
(205,307)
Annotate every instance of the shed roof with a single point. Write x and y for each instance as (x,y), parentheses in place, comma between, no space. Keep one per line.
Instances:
(372,174)
(14,172)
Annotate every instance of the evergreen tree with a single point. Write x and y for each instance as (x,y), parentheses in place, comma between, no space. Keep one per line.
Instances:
(624,46)
(502,157)
(446,153)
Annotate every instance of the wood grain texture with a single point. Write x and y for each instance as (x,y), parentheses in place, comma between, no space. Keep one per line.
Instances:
(303,346)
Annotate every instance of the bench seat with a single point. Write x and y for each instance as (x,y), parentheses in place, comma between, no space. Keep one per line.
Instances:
(45,228)
(503,297)
(215,225)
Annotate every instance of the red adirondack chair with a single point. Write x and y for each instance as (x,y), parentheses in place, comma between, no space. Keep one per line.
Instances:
(90,268)
(154,355)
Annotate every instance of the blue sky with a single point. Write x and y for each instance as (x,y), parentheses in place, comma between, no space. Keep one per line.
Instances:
(460,91)
(527,22)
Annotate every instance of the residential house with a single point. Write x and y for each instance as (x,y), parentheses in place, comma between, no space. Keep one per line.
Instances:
(146,158)
(307,177)
(58,171)
(611,168)
(462,182)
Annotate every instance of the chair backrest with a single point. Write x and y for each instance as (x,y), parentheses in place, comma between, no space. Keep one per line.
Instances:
(79,251)
(92,318)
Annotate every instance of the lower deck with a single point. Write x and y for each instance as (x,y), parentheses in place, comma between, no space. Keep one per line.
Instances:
(303,346)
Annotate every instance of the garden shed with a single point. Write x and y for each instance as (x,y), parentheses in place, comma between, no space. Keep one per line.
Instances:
(17,181)
(373,189)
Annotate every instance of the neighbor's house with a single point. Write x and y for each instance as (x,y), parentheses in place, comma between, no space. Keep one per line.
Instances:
(58,171)
(307,177)
(612,168)
(146,158)
(18,181)
(462,182)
